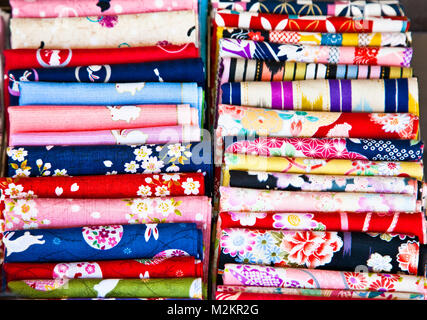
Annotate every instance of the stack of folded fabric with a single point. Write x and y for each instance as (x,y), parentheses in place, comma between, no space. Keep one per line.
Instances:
(319,171)
(106,192)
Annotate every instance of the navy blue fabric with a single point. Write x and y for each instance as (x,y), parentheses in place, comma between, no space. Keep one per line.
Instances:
(80,244)
(183,70)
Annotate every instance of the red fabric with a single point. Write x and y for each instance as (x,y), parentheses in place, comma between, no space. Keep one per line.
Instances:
(108,186)
(269,296)
(175,267)
(260,21)
(400,222)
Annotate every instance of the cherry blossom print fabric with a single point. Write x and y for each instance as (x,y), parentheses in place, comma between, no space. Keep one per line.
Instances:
(384,39)
(263,276)
(164,267)
(372,222)
(246,199)
(322,166)
(112,242)
(42,213)
(315,182)
(79,118)
(310,8)
(245,70)
(241,292)
(134,136)
(391,95)
(332,148)
(323,24)
(326,250)
(83,8)
(249,49)
(107,186)
(134,30)
(108,288)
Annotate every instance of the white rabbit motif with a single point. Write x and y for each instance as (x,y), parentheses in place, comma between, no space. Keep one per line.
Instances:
(105,286)
(124,113)
(22,243)
(129,137)
(132,88)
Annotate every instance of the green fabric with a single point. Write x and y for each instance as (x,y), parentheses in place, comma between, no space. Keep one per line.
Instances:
(111,288)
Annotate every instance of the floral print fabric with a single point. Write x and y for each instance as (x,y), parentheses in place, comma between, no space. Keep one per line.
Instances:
(315,182)
(335,148)
(113,242)
(164,267)
(245,199)
(263,276)
(373,222)
(108,288)
(108,186)
(322,166)
(240,292)
(105,31)
(327,250)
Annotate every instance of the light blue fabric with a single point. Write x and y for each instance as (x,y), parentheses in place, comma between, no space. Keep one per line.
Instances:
(110,94)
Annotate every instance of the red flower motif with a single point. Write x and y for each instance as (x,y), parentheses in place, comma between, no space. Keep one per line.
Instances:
(366,55)
(296,128)
(382,285)
(355,280)
(311,249)
(255,36)
(408,257)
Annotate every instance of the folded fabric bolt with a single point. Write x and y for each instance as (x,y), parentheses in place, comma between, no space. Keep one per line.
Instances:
(262,276)
(371,222)
(246,199)
(107,94)
(104,160)
(111,242)
(182,70)
(248,49)
(172,267)
(249,296)
(329,183)
(322,166)
(151,135)
(83,8)
(108,288)
(109,186)
(364,95)
(343,251)
(331,8)
(243,70)
(318,23)
(384,39)
(36,58)
(134,30)
(328,148)
(234,293)
(80,118)
(249,121)
(45,213)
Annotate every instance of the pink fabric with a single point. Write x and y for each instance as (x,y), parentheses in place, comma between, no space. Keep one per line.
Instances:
(81,118)
(153,135)
(82,8)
